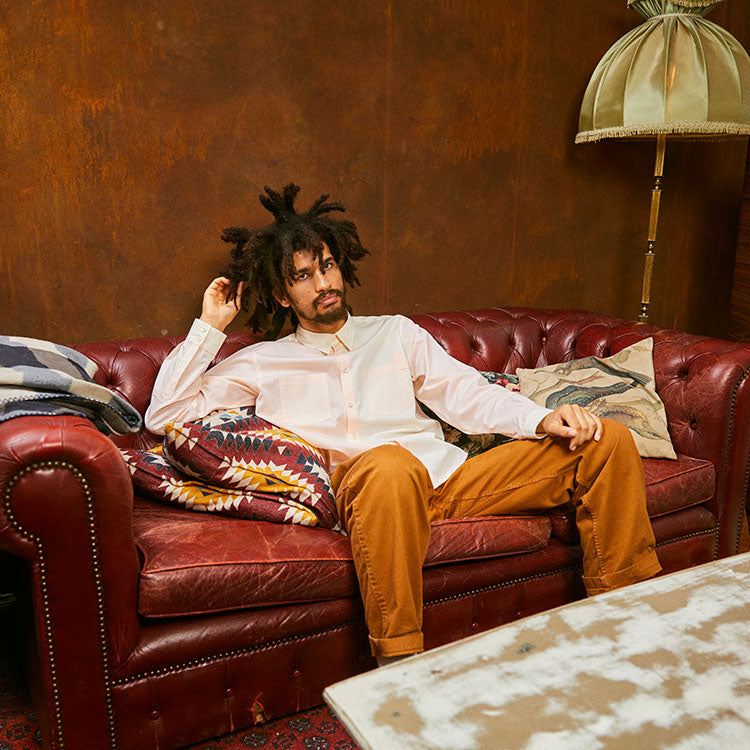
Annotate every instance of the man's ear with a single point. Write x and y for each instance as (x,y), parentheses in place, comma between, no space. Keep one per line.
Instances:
(281,299)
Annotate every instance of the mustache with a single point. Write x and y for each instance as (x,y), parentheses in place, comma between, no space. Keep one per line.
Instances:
(339,293)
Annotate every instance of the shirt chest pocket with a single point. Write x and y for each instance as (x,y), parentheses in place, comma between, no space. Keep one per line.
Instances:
(388,389)
(304,398)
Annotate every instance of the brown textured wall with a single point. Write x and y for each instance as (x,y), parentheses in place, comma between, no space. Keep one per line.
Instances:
(739,308)
(133,131)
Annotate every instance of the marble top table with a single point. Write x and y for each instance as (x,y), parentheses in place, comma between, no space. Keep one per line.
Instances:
(661,664)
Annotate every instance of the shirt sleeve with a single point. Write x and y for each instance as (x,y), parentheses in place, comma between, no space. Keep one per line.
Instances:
(185,389)
(460,395)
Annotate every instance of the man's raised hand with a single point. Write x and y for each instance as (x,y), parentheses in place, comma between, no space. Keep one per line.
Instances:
(217,311)
(571,422)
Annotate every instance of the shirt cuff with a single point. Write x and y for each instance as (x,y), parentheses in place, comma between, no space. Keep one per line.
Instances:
(532,421)
(206,337)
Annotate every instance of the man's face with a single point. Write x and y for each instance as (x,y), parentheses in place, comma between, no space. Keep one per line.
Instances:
(316,292)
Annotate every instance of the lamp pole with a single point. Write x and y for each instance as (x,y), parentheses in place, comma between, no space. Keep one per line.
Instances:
(661,143)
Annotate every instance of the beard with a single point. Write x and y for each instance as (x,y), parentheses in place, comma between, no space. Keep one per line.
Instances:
(332,313)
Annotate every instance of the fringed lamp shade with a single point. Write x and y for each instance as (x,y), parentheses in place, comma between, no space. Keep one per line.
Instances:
(677,73)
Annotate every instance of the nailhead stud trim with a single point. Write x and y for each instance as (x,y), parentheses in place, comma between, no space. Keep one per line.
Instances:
(725,470)
(222,655)
(57,728)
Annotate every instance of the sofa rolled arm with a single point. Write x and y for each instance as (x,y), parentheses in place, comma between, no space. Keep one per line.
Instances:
(67,501)
(705,386)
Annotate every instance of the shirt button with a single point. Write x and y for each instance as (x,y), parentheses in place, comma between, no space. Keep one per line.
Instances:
(350,404)
(346,368)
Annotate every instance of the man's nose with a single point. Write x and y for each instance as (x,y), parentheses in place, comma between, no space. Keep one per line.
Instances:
(321,281)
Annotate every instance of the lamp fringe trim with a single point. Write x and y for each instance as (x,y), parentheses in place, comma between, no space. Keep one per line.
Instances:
(684,129)
(687,3)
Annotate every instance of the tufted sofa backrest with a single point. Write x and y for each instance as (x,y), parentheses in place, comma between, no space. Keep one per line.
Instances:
(692,372)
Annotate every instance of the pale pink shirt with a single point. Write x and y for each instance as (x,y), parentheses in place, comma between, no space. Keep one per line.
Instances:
(345,392)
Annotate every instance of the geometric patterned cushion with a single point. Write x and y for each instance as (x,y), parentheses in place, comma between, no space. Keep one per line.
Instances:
(155,478)
(473,445)
(237,450)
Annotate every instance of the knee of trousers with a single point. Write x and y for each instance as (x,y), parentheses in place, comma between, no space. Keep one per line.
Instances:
(616,434)
(616,440)
(386,477)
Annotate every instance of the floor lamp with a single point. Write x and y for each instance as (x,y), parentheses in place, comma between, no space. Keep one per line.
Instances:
(677,75)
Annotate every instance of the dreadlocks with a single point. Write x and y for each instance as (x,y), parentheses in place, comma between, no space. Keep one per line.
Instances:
(264,258)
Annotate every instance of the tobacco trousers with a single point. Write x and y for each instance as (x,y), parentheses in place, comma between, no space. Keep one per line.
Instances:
(386,502)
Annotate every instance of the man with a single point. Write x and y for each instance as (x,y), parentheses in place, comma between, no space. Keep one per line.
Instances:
(352,386)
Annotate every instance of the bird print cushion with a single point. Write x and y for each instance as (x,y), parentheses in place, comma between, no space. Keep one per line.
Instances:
(620,387)
(238,450)
(154,477)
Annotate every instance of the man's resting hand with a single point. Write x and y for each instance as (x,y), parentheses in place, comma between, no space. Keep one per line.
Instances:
(573,422)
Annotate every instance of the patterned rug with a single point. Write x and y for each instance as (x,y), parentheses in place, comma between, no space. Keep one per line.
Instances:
(316,729)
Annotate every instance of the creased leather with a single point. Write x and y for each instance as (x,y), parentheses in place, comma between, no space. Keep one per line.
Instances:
(196,563)
(281,655)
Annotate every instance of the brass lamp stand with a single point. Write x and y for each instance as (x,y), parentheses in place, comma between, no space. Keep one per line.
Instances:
(661,147)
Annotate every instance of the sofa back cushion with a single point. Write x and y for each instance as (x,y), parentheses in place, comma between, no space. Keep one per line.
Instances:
(688,378)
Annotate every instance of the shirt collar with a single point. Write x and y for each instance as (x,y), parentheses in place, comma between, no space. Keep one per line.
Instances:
(324,342)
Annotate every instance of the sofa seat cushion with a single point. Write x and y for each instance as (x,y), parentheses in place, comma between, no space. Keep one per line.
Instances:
(194,564)
(674,485)
(671,485)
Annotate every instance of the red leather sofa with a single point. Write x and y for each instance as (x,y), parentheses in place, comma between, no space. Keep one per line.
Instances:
(156,627)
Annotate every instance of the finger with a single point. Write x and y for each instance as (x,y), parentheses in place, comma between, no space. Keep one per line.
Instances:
(587,426)
(556,426)
(572,415)
(595,425)
(216,287)
(599,428)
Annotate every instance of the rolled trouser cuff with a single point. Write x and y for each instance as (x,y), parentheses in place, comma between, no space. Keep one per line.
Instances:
(645,567)
(411,643)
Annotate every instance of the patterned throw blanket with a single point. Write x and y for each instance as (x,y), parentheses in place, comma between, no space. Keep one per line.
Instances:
(41,378)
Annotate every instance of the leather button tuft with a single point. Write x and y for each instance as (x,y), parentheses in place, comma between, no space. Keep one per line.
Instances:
(475,626)
(154,715)
(693,424)
(297,674)
(229,692)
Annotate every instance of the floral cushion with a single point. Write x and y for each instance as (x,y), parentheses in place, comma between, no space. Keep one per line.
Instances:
(237,450)
(476,444)
(621,387)
(155,478)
